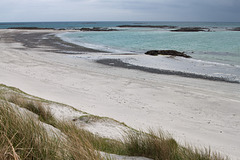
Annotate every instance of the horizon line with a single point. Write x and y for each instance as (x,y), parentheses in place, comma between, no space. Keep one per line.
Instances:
(121,21)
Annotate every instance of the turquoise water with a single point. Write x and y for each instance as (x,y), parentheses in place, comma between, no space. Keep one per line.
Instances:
(221,45)
(218,46)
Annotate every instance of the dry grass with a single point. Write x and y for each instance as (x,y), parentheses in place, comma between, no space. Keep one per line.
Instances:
(75,134)
(21,137)
(160,146)
(78,142)
(24,138)
(152,145)
(34,106)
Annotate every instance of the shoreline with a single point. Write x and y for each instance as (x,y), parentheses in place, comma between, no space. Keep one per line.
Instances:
(34,40)
(197,111)
(49,39)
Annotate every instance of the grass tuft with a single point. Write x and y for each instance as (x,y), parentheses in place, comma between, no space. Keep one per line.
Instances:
(160,146)
(78,142)
(36,107)
(22,137)
(152,145)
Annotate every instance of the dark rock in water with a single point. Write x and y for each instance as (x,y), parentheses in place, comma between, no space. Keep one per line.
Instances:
(167,52)
(31,28)
(97,29)
(191,29)
(146,26)
(236,29)
(62,29)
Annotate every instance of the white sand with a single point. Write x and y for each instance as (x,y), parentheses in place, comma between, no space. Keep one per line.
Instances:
(201,112)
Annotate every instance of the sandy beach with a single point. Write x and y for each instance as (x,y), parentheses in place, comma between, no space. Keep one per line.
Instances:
(200,112)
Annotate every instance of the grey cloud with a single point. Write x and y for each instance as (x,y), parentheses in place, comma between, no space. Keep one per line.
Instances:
(177,10)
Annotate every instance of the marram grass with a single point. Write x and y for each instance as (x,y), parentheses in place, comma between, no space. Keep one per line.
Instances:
(23,137)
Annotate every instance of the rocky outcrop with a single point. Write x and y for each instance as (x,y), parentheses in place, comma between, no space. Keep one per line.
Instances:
(236,29)
(167,52)
(97,29)
(191,29)
(146,26)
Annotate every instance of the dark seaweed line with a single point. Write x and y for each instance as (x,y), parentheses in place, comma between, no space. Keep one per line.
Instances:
(119,63)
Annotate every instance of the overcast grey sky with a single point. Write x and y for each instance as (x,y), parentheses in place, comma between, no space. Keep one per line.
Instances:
(119,10)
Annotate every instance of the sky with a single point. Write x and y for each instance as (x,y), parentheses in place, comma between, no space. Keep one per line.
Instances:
(119,10)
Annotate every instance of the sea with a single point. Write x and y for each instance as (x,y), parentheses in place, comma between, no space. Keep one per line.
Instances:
(216,51)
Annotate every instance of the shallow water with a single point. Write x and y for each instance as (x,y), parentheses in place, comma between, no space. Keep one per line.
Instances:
(215,53)
(219,46)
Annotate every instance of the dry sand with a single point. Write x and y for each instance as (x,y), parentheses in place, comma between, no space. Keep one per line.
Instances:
(200,112)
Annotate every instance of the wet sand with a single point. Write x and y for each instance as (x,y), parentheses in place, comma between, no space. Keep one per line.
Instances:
(36,39)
